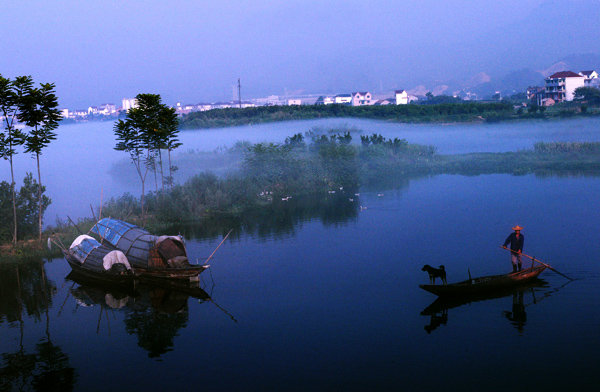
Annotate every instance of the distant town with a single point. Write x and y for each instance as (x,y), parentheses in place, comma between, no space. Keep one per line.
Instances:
(559,87)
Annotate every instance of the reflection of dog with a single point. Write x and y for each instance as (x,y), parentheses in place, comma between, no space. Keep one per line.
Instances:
(435,273)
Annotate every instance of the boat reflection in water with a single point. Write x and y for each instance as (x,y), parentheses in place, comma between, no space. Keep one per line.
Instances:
(154,313)
(438,310)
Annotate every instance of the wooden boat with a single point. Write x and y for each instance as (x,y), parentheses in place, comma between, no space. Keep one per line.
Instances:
(152,257)
(485,283)
(88,257)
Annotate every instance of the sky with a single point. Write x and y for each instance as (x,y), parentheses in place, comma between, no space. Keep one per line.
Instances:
(194,51)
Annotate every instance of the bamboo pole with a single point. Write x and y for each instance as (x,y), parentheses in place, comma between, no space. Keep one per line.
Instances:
(536,260)
(209,257)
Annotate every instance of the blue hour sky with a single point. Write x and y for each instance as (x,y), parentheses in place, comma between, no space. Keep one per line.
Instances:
(195,51)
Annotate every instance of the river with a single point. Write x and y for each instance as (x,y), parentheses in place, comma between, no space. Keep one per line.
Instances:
(328,298)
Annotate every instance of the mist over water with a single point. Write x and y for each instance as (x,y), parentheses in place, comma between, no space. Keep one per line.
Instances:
(81,167)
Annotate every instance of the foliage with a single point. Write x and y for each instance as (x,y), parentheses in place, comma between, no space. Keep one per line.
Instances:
(11,92)
(38,109)
(27,208)
(148,128)
(436,110)
(589,94)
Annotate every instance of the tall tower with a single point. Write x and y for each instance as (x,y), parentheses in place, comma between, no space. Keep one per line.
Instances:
(239,93)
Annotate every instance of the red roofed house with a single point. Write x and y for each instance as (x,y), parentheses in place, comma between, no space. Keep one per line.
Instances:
(561,86)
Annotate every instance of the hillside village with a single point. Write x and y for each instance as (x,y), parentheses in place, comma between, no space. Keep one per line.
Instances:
(559,87)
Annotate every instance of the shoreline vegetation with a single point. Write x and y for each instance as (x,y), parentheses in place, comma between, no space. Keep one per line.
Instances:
(463,112)
(316,174)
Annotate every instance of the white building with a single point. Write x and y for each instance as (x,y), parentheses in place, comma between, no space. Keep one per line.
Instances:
(343,99)
(292,102)
(361,98)
(590,77)
(401,97)
(129,103)
(561,86)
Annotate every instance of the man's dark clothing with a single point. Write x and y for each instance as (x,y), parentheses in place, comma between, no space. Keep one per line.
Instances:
(515,243)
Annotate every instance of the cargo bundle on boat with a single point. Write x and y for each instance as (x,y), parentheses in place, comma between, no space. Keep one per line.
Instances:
(88,257)
(151,256)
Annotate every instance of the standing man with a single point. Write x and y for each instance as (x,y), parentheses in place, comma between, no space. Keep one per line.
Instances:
(516,240)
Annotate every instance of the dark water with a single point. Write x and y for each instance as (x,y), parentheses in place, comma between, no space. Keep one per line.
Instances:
(329,300)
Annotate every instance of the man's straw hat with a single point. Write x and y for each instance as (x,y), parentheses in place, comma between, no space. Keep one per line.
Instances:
(517,227)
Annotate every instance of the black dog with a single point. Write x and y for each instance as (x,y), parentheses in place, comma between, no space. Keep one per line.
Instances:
(435,273)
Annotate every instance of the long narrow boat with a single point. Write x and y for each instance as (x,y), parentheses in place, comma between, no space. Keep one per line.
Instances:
(485,283)
(152,257)
(88,257)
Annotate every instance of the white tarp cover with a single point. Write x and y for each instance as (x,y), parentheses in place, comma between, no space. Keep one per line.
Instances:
(79,239)
(114,257)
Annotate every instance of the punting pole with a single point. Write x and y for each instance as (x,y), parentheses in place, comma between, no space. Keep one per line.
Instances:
(209,257)
(534,259)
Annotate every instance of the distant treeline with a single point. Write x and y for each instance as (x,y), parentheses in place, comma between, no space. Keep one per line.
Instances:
(445,112)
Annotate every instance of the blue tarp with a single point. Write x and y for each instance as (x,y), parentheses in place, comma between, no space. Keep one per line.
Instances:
(84,249)
(112,229)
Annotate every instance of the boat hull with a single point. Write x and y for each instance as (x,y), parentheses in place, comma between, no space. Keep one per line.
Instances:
(484,284)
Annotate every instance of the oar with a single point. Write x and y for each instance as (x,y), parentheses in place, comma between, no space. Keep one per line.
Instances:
(534,259)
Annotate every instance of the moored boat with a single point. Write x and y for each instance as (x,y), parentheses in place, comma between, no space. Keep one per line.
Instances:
(485,284)
(152,257)
(88,257)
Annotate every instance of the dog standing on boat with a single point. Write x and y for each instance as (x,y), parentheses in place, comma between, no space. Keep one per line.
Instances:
(435,273)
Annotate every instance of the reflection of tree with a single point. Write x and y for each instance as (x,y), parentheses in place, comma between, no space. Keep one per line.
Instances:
(25,287)
(280,216)
(48,369)
(156,329)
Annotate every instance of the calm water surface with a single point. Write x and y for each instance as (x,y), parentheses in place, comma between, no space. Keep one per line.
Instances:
(334,303)
(81,168)
(326,296)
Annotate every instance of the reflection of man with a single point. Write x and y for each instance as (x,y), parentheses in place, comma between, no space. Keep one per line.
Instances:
(518,317)
(516,240)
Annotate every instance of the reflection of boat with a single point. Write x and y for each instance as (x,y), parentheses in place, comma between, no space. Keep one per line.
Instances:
(484,284)
(444,303)
(151,256)
(438,310)
(88,257)
(91,291)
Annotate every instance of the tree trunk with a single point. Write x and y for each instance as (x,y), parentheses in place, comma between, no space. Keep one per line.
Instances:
(162,177)
(14,200)
(39,196)
(170,169)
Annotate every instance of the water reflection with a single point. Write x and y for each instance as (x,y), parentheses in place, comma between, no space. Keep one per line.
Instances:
(154,313)
(281,218)
(438,310)
(26,288)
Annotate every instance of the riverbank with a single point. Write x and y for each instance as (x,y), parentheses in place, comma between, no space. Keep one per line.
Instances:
(450,113)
